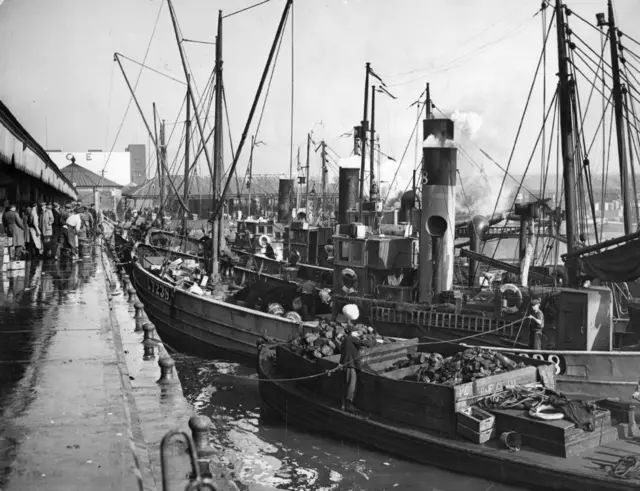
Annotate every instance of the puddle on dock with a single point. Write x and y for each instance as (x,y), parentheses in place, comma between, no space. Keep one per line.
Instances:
(267,451)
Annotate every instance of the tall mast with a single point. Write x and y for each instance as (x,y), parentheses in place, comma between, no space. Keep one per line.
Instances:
(324,176)
(190,96)
(218,156)
(618,107)
(306,194)
(253,144)
(187,145)
(158,151)
(373,186)
(163,158)
(363,139)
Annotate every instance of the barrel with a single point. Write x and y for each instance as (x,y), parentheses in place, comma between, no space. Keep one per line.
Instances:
(285,200)
(347,192)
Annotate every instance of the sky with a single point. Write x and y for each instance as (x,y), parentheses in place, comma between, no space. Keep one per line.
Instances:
(60,80)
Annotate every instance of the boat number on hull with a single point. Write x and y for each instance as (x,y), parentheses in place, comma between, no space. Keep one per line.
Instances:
(159,290)
(557,360)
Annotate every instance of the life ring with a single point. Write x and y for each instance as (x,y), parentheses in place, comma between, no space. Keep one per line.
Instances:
(264,240)
(546,416)
(510,287)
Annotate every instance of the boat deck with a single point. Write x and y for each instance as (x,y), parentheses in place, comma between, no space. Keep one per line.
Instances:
(587,471)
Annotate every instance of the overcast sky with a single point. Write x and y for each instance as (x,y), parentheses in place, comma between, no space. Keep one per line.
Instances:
(60,80)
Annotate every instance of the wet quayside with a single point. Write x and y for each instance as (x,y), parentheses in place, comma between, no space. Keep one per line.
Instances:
(266,450)
(52,327)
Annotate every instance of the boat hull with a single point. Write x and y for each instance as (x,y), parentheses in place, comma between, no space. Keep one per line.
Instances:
(591,374)
(202,325)
(300,407)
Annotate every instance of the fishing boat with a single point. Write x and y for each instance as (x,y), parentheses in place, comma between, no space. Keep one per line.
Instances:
(445,426)
(403,280)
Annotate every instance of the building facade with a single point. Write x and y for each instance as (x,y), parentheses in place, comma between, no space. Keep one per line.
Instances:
(138,153)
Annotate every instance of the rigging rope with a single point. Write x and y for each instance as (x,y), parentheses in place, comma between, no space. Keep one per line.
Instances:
(152,69)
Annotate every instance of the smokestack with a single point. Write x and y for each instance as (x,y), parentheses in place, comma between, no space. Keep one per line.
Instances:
(407,203)
(348,191)
(477,227)
(437,227)
(285,200)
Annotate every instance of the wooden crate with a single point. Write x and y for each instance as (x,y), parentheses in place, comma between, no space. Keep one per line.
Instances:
(6,241)
(476,419)
(559,437)
(16,265)
(476,437)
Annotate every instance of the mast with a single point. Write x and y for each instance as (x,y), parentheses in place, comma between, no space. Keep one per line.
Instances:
(566,138)
(158,151)
(253,144)
(324,175)
(373,185)
(619,116)
(363,138)
(306,194)
(298,190)
(163,159)
(187,144)
(217,221)
(254,105)
(190,96)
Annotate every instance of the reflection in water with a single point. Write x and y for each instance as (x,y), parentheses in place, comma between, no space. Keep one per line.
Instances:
(30,300)
(261,449)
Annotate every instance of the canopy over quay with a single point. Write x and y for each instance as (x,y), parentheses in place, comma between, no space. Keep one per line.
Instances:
(26,171)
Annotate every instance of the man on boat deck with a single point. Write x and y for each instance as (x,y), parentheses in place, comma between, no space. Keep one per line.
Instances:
(536,324)
(350,360)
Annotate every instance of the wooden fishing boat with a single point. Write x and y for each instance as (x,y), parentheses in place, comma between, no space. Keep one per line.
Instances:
(414,421)
(203,323)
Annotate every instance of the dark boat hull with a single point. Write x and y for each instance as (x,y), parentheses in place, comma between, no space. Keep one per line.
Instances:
(301,407)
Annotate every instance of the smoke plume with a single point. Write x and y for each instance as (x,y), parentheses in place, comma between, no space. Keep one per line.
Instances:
(477,195)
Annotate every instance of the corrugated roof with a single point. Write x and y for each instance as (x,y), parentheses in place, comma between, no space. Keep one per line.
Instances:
(84,178)
(200,187)
(47,170)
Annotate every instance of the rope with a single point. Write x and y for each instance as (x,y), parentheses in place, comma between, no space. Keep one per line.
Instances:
(245,9)
(342,365)
(625,466)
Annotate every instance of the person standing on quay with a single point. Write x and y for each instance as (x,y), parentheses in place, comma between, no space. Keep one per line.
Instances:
(14,227)
(72,228)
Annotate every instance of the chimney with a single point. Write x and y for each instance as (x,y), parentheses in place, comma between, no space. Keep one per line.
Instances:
(437,225)
(347,192)
(285,200)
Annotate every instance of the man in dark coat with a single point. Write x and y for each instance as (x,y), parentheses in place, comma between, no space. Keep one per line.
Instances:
(57,229)
(14,227)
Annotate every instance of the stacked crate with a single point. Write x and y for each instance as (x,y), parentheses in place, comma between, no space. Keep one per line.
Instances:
(8,255)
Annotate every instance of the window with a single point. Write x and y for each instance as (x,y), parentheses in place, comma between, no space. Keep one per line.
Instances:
(356,252)
(343,248)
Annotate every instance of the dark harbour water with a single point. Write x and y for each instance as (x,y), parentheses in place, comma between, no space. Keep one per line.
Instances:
(268,451)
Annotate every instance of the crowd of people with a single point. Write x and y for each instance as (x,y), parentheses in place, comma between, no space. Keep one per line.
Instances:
(48,230)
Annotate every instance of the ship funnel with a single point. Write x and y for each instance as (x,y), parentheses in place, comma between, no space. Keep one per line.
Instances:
(285,200)
(347,192)
(437,228)
(407,203)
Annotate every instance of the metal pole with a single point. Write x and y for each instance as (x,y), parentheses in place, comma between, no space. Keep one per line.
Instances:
(372,149)
(306,195)
(163,159)
(253,144)
(217,222)
(187,145)
(566,138)
(158,152)
(363,138)
(618,108)
(190,95)
(324,176)
(265,72)
(155,143)
(298,186)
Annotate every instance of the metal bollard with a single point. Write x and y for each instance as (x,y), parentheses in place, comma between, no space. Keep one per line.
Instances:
(131,291)
(139,306)
(200,426)
(167,375)
(149,350)
(148,329)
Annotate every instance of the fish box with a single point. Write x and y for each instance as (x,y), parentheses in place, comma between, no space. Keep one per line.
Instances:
(476,419)
(16,265)
(476,436)
(6,241)
(433,405)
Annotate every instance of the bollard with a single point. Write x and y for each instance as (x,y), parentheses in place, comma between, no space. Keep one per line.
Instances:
(200,427)
(148,329)
(131,291)
(149,350)
(139,306)
(167,375)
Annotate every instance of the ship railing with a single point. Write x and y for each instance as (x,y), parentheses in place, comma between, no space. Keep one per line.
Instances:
(447,320)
